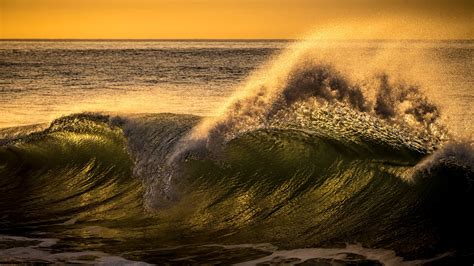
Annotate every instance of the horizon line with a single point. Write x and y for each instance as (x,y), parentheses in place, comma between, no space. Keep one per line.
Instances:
(209,39)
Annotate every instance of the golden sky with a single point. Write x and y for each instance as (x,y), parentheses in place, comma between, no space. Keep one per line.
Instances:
(234,19)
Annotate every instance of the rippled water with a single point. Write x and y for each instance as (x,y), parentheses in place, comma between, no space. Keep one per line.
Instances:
(41,80)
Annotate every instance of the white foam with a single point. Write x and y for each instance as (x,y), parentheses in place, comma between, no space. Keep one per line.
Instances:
(386,257)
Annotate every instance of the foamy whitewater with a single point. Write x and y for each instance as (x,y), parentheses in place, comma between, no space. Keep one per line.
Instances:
(228,152)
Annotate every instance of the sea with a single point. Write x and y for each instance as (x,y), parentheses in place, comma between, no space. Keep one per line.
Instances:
(248,152)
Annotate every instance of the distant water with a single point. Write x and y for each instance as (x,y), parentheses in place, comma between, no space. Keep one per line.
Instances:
(40,81)
(223,152)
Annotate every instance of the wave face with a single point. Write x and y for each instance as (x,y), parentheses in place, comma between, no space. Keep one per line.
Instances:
(305,156)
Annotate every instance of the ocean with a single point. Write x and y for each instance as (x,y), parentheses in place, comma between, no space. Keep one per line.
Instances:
(127,76)
(236,152)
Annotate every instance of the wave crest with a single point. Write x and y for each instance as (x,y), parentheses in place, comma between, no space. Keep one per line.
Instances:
(298,78)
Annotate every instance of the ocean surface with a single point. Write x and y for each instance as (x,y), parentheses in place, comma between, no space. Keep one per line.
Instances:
(226,152)
(57,78)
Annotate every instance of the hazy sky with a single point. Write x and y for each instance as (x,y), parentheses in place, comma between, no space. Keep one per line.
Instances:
(375,19)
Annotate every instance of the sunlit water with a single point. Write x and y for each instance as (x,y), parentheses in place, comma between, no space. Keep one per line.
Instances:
(40,81)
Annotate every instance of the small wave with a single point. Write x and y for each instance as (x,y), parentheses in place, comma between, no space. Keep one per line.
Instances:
(299,82)
(459,154)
